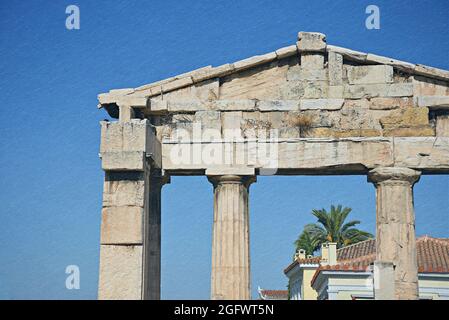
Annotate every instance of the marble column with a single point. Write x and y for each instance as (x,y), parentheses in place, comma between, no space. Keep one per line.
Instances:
(395,226)
(231,278)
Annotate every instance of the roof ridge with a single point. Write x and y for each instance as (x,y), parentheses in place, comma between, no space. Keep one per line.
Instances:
(444,241)
(208,72)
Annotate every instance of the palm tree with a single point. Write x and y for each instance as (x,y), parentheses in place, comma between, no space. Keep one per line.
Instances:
(306,240)
(331,227)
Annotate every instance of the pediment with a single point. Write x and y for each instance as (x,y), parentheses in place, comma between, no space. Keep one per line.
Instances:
(309,69)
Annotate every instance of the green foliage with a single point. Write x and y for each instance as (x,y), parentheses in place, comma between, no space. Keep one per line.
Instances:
(330,227)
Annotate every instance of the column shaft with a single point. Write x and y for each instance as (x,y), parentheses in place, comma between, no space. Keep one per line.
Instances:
(230,278)
(395,226)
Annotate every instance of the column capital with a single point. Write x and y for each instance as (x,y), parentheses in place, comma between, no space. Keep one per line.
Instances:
(393,175)
(231,179)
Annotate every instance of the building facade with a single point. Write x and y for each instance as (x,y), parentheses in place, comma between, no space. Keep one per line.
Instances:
(352,275)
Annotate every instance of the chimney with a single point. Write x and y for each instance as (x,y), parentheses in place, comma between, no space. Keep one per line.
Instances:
(329,254)
(300,254)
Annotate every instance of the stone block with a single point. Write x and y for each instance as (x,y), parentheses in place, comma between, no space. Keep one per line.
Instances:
(335,91)
(325,154)
(433,72)
(321,104)
(419,131)
(124,189)
(390,103)
(183,117)
(427,153)
(289,132)
(123,161)
(215,72)
(286,52)
(316,153)
(335,68)
(384,280)
(185,105)
(378,90)
(209,119)
(305,89)
(254,61)
(231,124)
(401,65)
(278,105)
(347,53)
(312,61)
(435,102)
(235,105)
(406,117)
(424,86)
(311,41)
(276,118)
(176,84)
(137,101)
(338,133)
(120,275)
(370,74)
(442,126)
(312,74)
(158,106)
(122,225)
(399,90)
(126,136)
(208,90)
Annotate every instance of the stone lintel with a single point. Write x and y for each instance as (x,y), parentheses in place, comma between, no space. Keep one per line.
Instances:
(344,155)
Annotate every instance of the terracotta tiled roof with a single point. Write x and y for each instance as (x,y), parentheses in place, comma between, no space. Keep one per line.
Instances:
(357,250)
(274,294)
(432,254)
(313,260)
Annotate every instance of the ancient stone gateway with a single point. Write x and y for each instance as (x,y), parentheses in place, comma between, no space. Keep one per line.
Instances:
(310,108)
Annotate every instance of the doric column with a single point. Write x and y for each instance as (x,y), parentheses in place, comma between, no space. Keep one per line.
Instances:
(230,241)
(395,226)
(130,226)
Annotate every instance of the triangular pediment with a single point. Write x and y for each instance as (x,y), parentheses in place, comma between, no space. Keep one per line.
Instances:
(309,69)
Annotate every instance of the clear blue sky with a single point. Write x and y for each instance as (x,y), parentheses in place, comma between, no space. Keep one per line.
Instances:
(50,176)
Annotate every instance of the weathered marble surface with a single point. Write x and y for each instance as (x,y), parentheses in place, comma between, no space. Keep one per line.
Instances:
(395,226)
(308,108)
